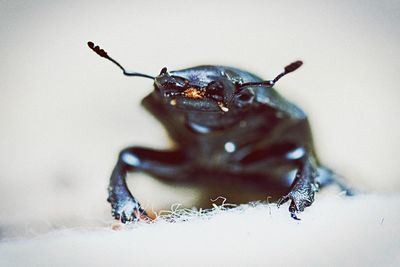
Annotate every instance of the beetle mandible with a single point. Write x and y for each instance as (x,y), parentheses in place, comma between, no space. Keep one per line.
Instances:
(233,132)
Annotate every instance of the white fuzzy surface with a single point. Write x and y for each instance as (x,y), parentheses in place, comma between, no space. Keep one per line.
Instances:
(336,231)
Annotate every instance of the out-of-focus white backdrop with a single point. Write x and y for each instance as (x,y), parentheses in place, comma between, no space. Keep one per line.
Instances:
(65,113)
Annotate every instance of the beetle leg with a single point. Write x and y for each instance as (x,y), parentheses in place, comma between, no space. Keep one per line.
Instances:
(327,177)
(125,207)
(303,188)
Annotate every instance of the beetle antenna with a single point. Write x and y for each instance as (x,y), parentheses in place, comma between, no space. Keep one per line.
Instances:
(104,54)
(288,69)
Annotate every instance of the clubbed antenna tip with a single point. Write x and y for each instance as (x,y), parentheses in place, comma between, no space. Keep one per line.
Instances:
(104,54)
(97,49)
(288,69)
(293,66)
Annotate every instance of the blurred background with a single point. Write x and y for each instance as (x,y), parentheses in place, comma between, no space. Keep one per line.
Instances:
(65,113)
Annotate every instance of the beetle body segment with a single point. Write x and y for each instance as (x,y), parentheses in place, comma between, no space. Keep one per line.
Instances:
(232,131)
(229,138)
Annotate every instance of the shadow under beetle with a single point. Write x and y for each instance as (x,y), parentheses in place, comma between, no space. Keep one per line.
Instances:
(232,130)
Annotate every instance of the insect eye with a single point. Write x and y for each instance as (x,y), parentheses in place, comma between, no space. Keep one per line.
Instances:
(245,97)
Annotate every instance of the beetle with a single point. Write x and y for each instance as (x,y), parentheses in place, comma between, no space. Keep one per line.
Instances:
(233,133)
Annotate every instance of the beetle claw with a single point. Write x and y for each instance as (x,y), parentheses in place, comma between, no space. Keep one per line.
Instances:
(282,200)
(294,216)
(128,211)
(299,201)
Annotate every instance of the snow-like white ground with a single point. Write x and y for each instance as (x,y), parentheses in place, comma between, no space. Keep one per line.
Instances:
(336,231)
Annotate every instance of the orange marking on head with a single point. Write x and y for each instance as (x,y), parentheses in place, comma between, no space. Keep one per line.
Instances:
(194,93)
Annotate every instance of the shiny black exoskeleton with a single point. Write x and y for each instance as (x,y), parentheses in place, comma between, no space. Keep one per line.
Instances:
(234,134)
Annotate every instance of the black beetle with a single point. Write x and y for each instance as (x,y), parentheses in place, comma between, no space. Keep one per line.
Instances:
(233,133)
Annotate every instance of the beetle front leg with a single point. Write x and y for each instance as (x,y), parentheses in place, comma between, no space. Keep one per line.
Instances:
(124,206)
(302,191)
(167,164)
